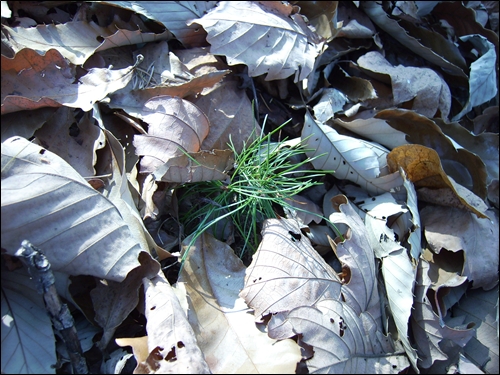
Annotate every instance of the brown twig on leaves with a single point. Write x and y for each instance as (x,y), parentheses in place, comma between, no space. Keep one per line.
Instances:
(39,268)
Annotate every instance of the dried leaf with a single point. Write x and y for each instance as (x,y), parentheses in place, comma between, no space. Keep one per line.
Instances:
(483,78)
(428,92)
(430,335)
(196,167)
(423,167)
(226,333)
(174,15)
(27,335)
(32,81)
(172,343)
(275,44)
(77,40)
(455,230)
(176,126)
(50,204)
(351,158)
(481,307)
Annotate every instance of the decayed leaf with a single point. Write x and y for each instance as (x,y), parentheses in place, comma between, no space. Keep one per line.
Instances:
(76,40)
(172,343)
(226,333)
(176,126)
(343,341)
(428,91)
(47,202)
(423,167)
(265,40)
(455,230)
(28,343)
(351,158)
(286,273)
(301,278)
(358,260)
(481,307)
(434,341)
(32,81)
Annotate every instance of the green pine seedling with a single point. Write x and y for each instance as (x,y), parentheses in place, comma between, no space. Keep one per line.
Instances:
(264,177)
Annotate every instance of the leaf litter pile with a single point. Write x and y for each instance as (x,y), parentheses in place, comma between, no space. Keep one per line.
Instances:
(250,187)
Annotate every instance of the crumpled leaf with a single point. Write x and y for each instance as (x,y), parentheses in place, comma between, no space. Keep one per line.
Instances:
(423,167)
(265,40)
(75,141)
(443,54)
(47,202)
(455,230)
(196,167)
(76,40)
(28,342)
(353,159)
(174,15)
(226,333)
(434,341)
(172,343)
(427,90)
(164,73)
(480,307)
(32,81)
(331,102)
(231,117)
(176,126)
(483,78)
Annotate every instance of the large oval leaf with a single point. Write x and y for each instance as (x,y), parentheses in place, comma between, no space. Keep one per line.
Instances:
(45,201)
(266,40)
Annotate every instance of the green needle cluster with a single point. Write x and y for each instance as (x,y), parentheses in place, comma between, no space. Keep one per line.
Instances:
(266,175)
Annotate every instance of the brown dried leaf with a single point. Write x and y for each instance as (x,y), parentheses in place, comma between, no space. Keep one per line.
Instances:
(213,276)
(423,167)
(32,81)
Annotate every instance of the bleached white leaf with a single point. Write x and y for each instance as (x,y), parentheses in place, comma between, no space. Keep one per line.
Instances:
(351,158)
(483,78)
(399,277)
(267,41)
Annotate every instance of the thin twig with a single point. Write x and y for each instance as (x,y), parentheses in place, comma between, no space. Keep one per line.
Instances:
(39,268)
